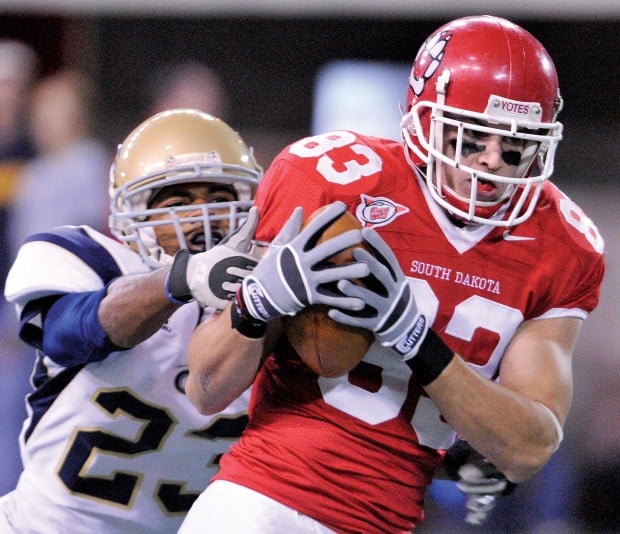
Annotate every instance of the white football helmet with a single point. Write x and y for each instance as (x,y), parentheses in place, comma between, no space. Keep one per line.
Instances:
(485,75)
(178,146)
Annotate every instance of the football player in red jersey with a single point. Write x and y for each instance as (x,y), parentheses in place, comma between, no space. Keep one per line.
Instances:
(482,272)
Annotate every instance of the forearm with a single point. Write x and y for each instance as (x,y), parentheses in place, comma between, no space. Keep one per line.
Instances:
(222,363)
(135,307)
(511,430)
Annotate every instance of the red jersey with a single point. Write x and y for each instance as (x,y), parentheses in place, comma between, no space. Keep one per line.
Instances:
(357,452)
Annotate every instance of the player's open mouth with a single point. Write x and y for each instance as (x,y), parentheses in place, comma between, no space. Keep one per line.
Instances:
(486,190)
(196,240)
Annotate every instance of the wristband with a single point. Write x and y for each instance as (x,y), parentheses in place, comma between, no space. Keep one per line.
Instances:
(432,358)
(176,287)
(244,323)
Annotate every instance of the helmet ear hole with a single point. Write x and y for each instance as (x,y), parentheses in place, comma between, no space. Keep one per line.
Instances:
(178,147)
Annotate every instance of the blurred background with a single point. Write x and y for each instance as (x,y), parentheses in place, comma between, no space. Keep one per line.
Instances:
(277,71)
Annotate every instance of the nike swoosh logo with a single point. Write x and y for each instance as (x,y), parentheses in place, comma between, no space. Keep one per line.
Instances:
(509,237)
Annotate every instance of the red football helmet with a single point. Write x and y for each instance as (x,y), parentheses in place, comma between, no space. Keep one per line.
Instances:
(483,74)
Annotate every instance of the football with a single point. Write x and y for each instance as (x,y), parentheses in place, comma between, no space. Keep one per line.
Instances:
(329,348)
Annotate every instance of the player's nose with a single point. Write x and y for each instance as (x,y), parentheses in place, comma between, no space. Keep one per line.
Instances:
(491,157)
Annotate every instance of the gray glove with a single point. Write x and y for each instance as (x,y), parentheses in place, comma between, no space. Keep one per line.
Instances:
(213,277)
(294,272)
(390,309)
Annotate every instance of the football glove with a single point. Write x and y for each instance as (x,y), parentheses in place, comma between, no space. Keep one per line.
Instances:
(213,277)
(294,272)
(478,479)
(390,309)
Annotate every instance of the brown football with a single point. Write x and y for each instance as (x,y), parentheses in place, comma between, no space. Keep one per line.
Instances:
(329,348)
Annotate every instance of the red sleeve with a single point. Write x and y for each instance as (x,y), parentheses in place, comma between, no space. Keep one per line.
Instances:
(284,187)
(579,265)
(578,278)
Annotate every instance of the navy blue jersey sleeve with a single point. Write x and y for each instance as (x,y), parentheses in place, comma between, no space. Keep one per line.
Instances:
(72,333)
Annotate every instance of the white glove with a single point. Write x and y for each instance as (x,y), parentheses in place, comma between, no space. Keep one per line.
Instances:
(390,309)
(213,277)
(294,273)
(483,484)
(477,478)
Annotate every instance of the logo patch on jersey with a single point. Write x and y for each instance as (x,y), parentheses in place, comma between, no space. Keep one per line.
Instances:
(378,211)
(166,327)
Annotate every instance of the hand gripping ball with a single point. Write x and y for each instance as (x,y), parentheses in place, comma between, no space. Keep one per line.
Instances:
(329,348)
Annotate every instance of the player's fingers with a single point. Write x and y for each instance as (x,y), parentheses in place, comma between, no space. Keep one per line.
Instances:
(333,246)
(380,249)
(319,222)
(290,229)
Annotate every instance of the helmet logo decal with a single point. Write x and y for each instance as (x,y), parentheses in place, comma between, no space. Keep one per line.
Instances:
(434,50)
(378,211)
(212,159)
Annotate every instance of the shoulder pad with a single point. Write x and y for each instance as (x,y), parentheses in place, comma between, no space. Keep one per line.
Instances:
(65,260)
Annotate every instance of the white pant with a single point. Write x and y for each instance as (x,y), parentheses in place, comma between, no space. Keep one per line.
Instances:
(228,507)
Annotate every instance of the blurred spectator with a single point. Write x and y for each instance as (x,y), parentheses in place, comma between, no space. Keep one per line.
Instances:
(18,70)
(65,183)
(187,84)
(193,84)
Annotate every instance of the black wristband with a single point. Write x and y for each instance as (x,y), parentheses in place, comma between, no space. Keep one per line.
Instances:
(458,454)
(176,287)
(244,323)
(432,358)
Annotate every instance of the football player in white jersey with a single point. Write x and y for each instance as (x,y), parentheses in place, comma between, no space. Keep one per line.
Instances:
(480,276)
(111,443)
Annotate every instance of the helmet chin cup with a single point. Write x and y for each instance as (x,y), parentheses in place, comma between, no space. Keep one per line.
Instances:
(466,210)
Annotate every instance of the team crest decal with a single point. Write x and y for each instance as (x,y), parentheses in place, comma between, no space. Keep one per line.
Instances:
(428,60)
(378,211)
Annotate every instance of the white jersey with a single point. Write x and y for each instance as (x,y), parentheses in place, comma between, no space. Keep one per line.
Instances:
(114,445)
